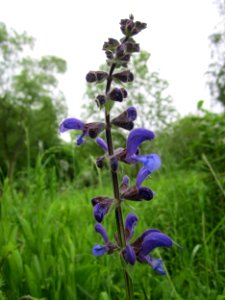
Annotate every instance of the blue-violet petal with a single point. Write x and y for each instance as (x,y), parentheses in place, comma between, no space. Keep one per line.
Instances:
(71,123)
(135,138)
(101,229)
(98,250)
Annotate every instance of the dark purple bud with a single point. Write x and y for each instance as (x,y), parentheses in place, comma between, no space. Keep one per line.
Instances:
(116,95)
(93,76)
(93,129)
(126,26)
(71,123)
(126,59)
(124,92)
(125,120)
(124,76)
(100,100)
(102,144)
(145,193)
(138,27)
(100,162)
(120,50)
(135,138)
(111,45)
(101,229)
(130,223)
(129,255)
(98,250)
(130,28)
(123,123)
(138,194)
(132,47)
(109,54)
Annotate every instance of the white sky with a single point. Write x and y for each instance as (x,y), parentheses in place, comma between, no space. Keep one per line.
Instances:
(176,36)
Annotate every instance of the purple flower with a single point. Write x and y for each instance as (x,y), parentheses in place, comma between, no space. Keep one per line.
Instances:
(108,247)
(150,162)
(142,247)
(146,243)
(90,129)
(135,138)
(71,123)
(101,207)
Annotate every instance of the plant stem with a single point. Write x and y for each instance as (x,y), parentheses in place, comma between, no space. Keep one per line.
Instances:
(118,210)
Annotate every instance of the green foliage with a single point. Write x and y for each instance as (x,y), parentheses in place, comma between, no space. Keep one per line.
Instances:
(148,93)
(47,235)
(30,102)
(186,140)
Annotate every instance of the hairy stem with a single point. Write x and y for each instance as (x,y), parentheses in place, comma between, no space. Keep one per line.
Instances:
(118,210)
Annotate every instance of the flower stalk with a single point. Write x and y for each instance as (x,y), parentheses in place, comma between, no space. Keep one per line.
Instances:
(115,183)
(118,54)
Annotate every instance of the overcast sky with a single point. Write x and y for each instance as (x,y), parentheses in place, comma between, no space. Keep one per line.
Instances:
(176,36)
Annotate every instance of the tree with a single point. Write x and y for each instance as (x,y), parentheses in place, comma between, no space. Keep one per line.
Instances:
(216,79)
(30,101)
(148,93)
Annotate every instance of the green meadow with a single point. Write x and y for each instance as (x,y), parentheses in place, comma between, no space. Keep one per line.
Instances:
(47,235)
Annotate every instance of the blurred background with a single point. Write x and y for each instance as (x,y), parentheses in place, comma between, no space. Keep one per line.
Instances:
(47,182)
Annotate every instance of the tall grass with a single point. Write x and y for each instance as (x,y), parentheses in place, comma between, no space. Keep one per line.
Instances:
(46,236)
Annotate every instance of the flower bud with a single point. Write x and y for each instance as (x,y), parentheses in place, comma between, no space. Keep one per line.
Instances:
(130,28)
(93,76)
(100,162)
(111,44)
(132,47)
(109,54)
(125,76)
(121,50)
(100,100)
(125,119)
(116,95)
(93,129)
